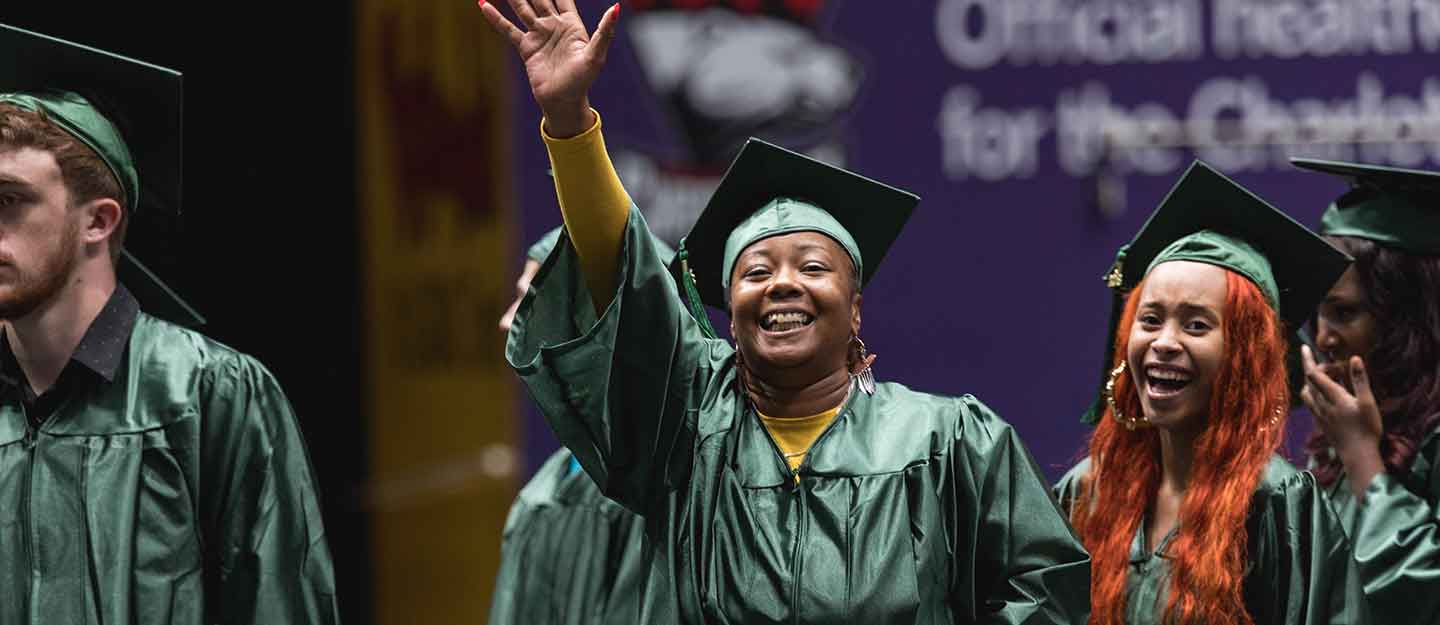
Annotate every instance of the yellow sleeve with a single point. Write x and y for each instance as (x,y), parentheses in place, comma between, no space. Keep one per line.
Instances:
(594,205)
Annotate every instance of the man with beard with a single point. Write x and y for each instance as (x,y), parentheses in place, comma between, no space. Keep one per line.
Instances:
(147,474)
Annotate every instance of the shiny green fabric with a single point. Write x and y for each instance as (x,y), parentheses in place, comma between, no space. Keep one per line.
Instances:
(1298,558)
(1213,248)
(1409,221)
(178,494)
(1396,535)
(909,508)
(570,556)
(783,216)
(542,247)
(79,118)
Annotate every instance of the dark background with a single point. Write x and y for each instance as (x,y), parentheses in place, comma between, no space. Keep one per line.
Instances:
(267,246)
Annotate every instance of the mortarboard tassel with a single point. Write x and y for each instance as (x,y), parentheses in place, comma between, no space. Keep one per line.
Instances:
(692,294)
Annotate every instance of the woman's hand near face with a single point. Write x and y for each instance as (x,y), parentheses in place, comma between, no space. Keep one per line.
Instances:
(561,59)
(1351,420)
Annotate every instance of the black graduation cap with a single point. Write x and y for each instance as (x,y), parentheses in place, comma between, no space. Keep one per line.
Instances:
(805,194)
(1209,218)
(1390,205)
(143,101)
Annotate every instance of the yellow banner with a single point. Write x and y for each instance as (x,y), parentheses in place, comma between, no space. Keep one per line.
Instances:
(432,111)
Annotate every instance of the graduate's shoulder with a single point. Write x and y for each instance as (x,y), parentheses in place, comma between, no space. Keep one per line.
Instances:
(540,490)
(1281,482)
(1067,490)
(1424,473)
(537,493)
(1290,513)
(1279,474)
(1069,483)
(942,419)
(157,344)
(962,412)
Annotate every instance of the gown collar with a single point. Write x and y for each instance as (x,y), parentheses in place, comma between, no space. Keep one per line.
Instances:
(1138,553)
(758,462)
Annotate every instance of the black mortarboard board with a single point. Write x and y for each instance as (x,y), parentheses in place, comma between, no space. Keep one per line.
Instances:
(799,193)
(142,100)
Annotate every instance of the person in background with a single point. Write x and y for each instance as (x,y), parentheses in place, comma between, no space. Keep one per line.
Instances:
(569,555)
(1376,397)
(148,475)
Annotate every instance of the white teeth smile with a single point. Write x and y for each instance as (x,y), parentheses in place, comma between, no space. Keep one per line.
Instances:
(1165,381)
(1168,375)
(782,321)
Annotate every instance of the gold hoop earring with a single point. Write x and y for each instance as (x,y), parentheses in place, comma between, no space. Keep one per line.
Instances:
(1130,423)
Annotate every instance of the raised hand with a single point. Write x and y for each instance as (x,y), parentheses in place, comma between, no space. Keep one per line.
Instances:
(1351,420)
(561,59)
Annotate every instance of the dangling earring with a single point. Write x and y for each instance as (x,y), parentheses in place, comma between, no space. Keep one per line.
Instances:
(1130,423)
(1277,414)
(860,365)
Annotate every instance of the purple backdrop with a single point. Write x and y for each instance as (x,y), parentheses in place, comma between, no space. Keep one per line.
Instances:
(999,113)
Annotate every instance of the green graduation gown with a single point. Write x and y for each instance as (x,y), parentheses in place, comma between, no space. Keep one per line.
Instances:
(909,508)
(570,555)
(179,493)
(1395,532)
(1298,568)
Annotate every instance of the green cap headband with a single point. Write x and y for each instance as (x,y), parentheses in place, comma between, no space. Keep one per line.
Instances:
(1407,221)
(81,120)
(1213,248)
(786,216)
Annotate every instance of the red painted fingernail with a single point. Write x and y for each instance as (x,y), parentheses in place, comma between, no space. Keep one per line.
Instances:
(617,10)
(482,4)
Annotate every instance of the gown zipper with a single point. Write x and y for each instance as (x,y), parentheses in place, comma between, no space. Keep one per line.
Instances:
(32,440)
(803,529)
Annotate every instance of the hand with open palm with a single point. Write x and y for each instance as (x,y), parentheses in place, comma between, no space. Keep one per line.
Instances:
(561,59)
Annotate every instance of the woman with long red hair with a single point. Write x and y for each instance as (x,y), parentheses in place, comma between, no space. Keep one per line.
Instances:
(1188,513)
(1376,449)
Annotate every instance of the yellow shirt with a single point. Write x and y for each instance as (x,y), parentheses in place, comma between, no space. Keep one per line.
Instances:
(795,435)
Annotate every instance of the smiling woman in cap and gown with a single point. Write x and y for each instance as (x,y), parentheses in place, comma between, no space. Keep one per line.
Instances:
(148,475)
(1377,401)
(1188,512)
(570,555)
(779,482)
